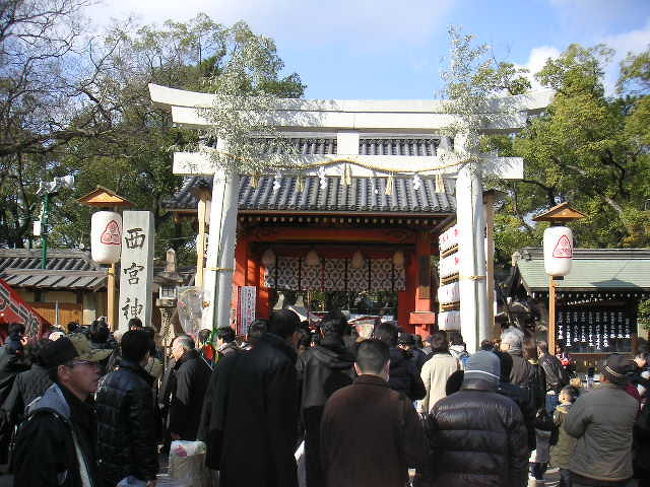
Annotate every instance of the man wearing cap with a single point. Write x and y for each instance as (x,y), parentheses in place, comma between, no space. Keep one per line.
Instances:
(477,436)
(55,446)
(602,421)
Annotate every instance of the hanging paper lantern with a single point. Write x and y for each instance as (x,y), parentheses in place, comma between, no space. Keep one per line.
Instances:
(558,250)
(358,261)
(268,258)
(312,258)
(106,237)
(398,259)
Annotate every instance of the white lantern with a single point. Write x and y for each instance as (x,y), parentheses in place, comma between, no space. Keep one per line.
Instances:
(106,237)
(558,250)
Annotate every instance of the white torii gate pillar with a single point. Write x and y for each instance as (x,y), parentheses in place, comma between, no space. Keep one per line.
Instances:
(220,260)
(474,324)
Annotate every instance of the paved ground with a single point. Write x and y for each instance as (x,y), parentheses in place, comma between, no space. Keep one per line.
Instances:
(552,479)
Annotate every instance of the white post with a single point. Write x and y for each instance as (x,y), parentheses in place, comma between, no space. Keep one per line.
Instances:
(226,252)
(471,224)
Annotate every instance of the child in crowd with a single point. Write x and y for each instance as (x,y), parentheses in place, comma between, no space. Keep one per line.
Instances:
(563,450)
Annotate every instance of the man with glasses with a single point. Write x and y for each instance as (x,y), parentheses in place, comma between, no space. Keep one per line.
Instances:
(55,446)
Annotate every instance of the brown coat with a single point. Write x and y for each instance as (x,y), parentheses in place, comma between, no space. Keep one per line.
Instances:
(370,436)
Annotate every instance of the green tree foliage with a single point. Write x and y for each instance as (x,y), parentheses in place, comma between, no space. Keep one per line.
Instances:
(588,149)
(47,99)
(108,133)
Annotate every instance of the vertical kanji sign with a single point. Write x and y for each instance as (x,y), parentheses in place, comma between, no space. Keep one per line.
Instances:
(136,272)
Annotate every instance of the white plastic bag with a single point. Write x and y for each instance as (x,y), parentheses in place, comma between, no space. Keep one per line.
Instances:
(187,463)
(301,464)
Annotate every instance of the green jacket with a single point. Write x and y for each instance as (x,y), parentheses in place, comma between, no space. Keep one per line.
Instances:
(562,452)
(602,421)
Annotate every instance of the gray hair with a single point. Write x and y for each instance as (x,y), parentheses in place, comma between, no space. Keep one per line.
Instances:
(185,341)
(513,337)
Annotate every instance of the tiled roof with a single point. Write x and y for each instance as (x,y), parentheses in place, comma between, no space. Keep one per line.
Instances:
(592,269)
(65,269)
(399,146)
(365,195)
(377,146)
(305,146)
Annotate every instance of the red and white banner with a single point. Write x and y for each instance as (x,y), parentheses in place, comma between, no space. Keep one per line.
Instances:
(13,309)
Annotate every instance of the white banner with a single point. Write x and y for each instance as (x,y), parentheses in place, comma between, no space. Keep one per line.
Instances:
(136,272)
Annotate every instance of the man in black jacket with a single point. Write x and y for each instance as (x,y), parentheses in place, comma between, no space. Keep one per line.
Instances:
(555,376)
(126,434)
(523,373)
(517,394)
(189,382)
(55,446)
(322,370)
(404,376)
(262,409)
(477,436)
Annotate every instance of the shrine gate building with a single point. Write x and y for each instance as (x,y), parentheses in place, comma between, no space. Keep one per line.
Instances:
(354,223)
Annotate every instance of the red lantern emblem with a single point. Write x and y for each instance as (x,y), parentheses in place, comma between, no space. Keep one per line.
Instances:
(563,248)
(111,234)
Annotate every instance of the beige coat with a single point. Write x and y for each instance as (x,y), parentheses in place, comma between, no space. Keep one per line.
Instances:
(435,373)
(602,421)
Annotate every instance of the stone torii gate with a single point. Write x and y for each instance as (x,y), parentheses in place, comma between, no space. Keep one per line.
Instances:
(348,120)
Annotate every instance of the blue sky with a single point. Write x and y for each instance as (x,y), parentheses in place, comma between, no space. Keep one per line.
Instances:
(387,49)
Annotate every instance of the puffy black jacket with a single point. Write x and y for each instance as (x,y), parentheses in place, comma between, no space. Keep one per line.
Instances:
(477,438)
(404,376)
(554,373)
(126,436)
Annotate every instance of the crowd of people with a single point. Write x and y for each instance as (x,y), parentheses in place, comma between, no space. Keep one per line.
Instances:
(89,408)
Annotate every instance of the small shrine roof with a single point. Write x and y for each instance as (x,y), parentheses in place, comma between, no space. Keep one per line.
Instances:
(592,270)
(363,195)
(65,269)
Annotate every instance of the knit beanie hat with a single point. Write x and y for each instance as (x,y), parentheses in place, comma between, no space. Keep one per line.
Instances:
(485,366)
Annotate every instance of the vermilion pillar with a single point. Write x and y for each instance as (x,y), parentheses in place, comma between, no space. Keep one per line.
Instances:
(422,317)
